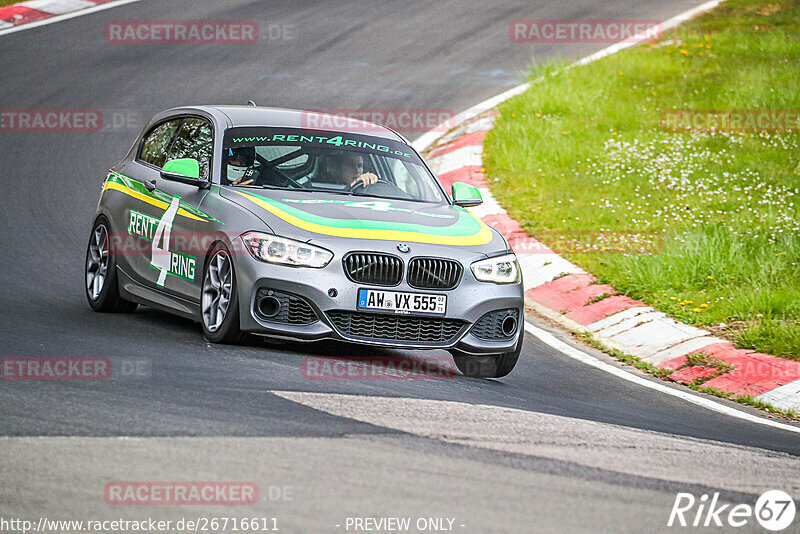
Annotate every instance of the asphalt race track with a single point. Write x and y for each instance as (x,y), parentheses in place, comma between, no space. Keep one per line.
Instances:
(557,445)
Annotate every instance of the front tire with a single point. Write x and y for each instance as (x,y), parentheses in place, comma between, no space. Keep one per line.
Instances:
(487,366)
(101,283)
(220,300)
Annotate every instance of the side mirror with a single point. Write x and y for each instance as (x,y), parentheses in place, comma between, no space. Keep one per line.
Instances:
(466,195)
(184,170)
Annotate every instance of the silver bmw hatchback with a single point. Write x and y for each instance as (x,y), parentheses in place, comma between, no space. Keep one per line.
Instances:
(264,221)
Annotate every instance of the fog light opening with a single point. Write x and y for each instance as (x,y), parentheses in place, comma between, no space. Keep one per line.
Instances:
(509,325)
(269,306)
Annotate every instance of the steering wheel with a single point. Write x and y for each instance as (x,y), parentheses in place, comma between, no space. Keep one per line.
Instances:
(361,184)
(381,188)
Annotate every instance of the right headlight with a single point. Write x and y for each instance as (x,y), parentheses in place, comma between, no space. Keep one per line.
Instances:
(500,270)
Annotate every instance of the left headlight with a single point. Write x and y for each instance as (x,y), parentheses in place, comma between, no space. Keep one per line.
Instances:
(500,270)
(275,249)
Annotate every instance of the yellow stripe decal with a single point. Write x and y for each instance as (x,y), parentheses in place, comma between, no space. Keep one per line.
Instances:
(483,236)
(155,202)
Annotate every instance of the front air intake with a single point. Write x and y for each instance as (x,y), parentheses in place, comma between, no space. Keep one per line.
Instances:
(279,307)
(389,327)
(500,325)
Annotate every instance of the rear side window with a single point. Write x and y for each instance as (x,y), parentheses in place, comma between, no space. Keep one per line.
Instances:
(193,141)
(157,142)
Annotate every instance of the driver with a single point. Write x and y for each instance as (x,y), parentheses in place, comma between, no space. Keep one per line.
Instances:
(348,169)
(241,169)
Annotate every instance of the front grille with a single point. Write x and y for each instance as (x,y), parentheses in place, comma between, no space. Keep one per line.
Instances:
(434,273)
(489,327)
(381,326)
(293,309)
(373,268)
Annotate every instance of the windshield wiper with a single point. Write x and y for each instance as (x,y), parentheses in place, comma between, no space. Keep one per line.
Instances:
(348,193)
(384,197)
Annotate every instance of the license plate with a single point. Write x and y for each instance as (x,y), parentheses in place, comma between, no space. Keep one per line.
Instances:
(398,302)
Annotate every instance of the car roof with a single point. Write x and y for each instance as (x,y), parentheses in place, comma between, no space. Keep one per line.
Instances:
(294,118)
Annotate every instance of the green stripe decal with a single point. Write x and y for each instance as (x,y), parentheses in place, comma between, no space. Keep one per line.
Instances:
(156,195)
(465,230)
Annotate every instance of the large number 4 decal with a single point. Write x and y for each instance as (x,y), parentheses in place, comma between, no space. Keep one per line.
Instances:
(161,256)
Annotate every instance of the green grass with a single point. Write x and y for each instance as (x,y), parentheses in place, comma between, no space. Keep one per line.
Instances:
(705,227)
(9,2)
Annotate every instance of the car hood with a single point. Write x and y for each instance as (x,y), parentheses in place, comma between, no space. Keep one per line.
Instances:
(317,217)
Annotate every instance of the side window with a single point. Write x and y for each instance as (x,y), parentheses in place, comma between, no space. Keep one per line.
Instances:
(156,144)
(194,141)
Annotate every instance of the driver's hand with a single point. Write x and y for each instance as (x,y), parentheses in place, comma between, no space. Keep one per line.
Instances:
(240,182)
(366,179)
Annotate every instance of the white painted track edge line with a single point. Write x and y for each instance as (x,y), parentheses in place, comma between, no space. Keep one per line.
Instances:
(666,25)
(65,16)
(430,137)
(549,339)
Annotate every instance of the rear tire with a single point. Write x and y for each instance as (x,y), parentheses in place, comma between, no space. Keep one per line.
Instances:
(219,305)
(100,274)
(487,366)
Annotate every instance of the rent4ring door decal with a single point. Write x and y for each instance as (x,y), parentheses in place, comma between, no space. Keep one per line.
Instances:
(158,231)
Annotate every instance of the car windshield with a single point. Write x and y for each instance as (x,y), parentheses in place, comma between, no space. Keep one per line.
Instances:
(331,162)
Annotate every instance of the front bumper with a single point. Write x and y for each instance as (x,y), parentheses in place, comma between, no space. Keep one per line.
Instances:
(466,304)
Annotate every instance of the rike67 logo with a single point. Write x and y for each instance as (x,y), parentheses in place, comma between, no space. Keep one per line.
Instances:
(774,510)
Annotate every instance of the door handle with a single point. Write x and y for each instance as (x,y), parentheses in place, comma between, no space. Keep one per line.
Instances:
(150,185)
